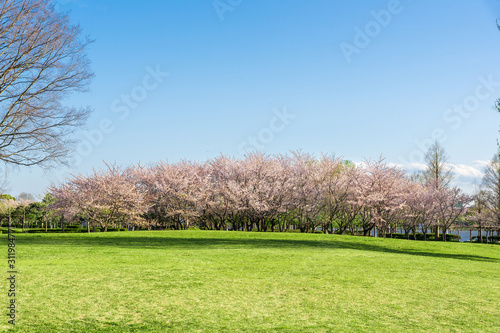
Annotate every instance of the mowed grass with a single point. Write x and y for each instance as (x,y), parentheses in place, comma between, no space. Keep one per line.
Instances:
(210,281)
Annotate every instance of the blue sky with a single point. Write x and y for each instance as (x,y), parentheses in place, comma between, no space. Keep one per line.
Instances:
(193,79)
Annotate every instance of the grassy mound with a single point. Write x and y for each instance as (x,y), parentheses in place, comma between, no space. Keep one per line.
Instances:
(209,281)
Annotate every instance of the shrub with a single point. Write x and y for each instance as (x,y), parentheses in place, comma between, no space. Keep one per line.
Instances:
(491,239)
(420,236)
(73,231)
(72,227)
(35,230)
(53,230)
(6,230)
(91,230)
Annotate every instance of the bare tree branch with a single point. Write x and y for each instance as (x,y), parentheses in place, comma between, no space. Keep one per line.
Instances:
(42,61)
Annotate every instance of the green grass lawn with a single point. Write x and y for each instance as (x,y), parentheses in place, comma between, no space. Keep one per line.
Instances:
(209,281)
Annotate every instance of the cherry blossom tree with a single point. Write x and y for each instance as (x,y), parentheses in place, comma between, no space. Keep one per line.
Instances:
(216,205)
(307,190)
(338,179)
(379,192)
(171,189)
(420,210)
(7,206)
(106,197)
(265,180)
(450,204)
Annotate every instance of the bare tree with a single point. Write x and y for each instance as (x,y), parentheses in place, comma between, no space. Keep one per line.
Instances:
(42,61)
(497,106)
(26,196)
(437,172)
(491,187)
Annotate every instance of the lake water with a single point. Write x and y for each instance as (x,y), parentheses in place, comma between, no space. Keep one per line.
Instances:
(465,234)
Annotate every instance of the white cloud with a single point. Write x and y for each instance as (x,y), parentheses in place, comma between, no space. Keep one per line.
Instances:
(418,166)
(481,164)
(462,170)
(458,170)
(411,167)
(464,176)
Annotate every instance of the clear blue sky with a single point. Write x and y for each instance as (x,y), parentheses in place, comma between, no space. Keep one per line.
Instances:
(340,81)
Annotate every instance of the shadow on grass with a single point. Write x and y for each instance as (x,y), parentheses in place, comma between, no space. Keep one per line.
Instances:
(166,242)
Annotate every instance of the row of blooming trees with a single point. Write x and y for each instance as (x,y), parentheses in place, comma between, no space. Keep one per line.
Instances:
(264,193)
